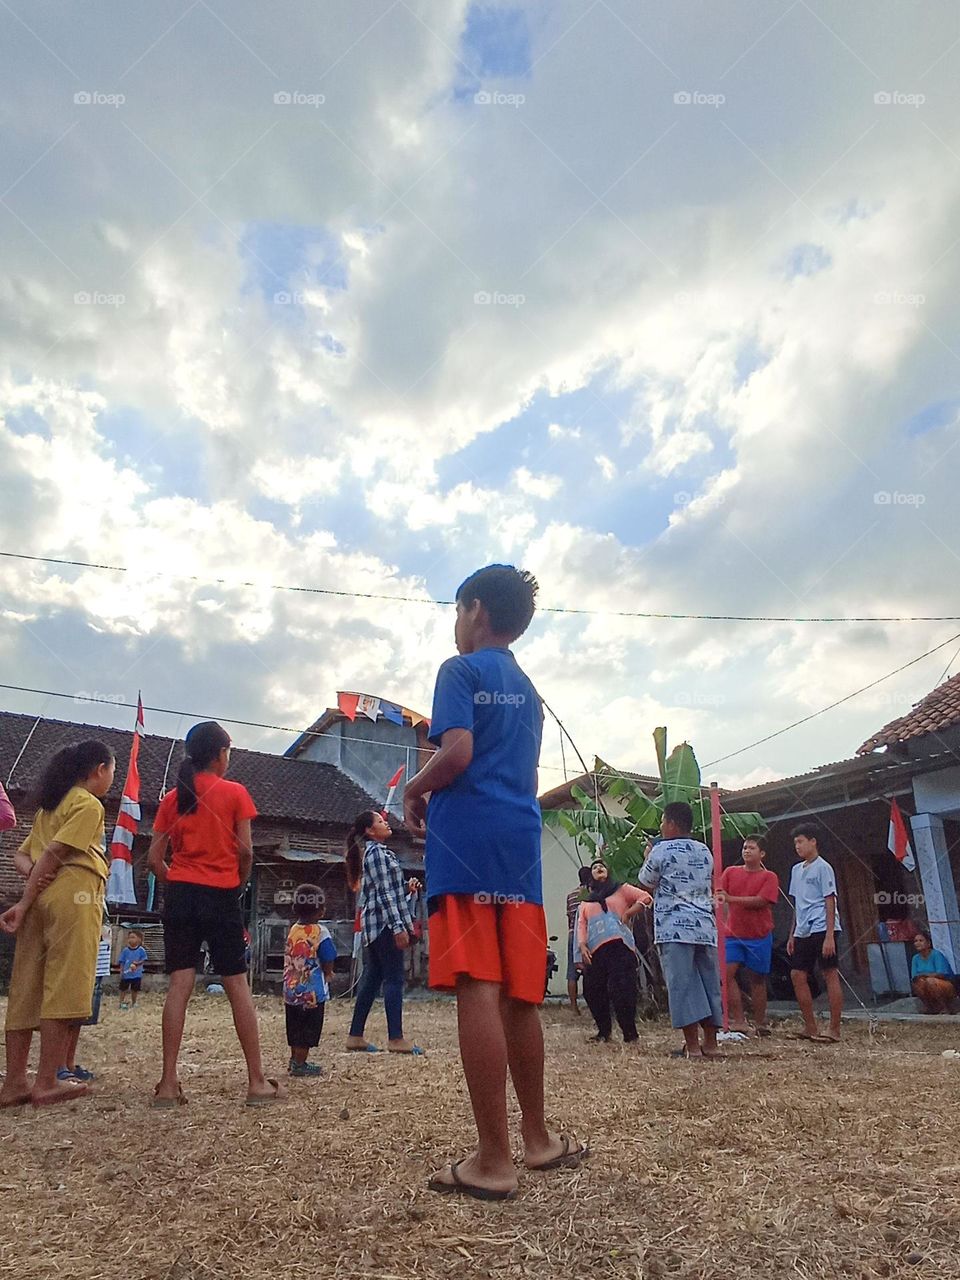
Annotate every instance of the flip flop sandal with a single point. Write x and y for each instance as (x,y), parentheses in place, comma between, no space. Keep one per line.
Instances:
(764,1032)
(367,1048)
(567,1159)
(460,1188)
(801,1035)
(415,1052)
(15,1102)
(63,1095)
(168,1104)
(268,1099)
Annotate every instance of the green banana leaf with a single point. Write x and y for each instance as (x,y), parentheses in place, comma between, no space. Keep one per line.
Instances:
(681,776)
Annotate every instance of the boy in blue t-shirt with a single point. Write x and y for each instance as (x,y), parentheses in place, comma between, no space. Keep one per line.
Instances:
(488,937)
(131,961)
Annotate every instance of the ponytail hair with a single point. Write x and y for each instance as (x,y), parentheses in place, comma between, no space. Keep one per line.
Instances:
(204,743)
(356,842)
(70,766)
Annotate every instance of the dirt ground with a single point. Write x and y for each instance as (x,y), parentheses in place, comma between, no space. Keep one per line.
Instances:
(787,1160)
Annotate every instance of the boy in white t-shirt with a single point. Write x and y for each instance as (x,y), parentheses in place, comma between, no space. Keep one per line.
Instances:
(814,932)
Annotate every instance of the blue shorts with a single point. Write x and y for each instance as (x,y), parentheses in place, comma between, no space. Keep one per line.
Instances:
(754,953)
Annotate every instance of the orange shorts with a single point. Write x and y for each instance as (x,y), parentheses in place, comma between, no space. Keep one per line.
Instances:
(497,942)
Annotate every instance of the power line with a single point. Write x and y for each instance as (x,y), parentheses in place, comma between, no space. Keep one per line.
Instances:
(813,715)
(425,600)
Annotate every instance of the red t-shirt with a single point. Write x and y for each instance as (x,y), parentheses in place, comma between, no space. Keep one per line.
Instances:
(204,843)
(750,922)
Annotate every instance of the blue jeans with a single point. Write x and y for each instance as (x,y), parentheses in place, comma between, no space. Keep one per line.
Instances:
(382,964)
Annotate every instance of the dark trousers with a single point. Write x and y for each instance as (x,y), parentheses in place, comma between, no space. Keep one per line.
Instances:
(612,977)
(382,965)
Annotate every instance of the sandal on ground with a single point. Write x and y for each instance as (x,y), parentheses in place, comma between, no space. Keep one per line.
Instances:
(571,1157)
(764,1032)
(415,1051)
(167,1104)
(62,1095)
(461,1188)
(266,1099)
(802,1035)
(22,1101)
(301,1070)
(362,1048)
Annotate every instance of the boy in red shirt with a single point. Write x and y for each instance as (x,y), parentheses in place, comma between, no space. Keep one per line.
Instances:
(205,822)
(749,893)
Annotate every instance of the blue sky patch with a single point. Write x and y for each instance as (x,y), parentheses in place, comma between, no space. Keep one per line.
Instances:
(807,260)
(933,416)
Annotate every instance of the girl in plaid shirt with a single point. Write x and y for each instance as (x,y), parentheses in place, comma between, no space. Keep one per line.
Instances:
(386,926)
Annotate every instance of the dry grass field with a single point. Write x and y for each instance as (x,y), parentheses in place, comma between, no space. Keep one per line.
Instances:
(786,1160)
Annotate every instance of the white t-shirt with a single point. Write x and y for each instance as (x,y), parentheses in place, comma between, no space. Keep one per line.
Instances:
(811,883)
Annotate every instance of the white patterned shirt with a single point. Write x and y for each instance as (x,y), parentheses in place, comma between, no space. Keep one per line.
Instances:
(679,874)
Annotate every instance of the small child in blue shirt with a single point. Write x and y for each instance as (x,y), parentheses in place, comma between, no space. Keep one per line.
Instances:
(307,965)
(131,961)
(488,939)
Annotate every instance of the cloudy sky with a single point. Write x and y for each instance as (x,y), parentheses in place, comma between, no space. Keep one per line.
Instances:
(660,303)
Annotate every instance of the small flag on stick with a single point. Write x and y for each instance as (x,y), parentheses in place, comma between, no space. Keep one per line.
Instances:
(391,789)
(120,882)
(898,842)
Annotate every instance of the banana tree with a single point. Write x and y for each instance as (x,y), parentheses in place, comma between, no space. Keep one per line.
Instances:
(623,841)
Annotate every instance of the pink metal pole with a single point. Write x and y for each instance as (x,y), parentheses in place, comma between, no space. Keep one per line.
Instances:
(717,842)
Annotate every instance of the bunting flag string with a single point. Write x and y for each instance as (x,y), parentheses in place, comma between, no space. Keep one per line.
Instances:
(367,704)
(120,887)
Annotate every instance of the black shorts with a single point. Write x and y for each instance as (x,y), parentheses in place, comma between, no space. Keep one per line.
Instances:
(130,984)
(194,914)
(808,953)
(304,1025)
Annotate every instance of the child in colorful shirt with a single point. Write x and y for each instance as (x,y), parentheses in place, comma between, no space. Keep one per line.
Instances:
(307,966)
(131,961)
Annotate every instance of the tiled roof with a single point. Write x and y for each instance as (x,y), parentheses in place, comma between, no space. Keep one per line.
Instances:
(291,790)
(939,710)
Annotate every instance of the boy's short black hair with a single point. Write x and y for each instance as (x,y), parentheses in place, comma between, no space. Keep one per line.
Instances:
(308,900)
(680,814)
(508,594)
(813,831)
(759,841)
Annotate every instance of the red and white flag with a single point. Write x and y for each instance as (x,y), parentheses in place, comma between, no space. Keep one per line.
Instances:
(391,789)
(898,842)
(120,883)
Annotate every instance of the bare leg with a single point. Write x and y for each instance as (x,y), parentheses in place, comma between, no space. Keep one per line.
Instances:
(758,994)
(54,1039)
(835,995)
(483,1051)
(71,1059)
(299,1054)
(16,1086)
(572,996)
(524,1036)
(801,989)
(691,1040)
(248,1033)
(710,1047)
(735,1000)
(174,1015)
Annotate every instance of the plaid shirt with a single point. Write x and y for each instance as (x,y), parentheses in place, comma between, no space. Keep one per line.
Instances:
(383,901)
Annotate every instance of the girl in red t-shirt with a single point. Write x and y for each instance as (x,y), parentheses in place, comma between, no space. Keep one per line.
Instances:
(204,825)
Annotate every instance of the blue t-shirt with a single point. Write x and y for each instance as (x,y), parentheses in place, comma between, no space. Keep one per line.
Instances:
(933,962)
(131,961)
(483,830)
